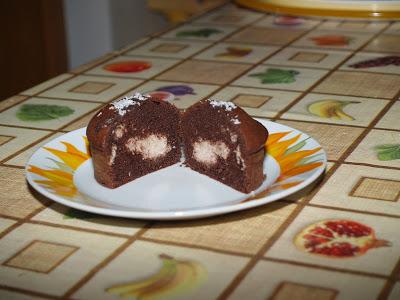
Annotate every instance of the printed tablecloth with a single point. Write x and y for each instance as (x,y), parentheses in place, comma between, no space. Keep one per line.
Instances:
(338,81)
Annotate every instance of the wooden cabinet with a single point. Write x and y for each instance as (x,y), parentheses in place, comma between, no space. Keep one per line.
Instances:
(32,44)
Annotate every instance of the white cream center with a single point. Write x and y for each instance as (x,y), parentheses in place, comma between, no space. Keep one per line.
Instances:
(239,158)
(208,152)
(119,131)
(151,147)
(113,154)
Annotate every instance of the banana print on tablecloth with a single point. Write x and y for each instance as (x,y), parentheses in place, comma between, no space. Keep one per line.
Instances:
(175,277)
(331,109)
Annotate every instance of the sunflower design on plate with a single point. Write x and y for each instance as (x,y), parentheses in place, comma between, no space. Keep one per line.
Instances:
(62,171)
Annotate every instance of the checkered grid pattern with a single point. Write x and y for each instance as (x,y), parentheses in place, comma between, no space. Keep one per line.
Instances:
(53,252)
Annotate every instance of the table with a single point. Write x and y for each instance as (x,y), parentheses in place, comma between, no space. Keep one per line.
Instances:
(338,81)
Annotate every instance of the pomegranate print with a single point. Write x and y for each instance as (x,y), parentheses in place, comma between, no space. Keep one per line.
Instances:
(129,66)
(338,239)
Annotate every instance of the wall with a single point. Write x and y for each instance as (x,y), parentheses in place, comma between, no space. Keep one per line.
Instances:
(95,27)
(131,20)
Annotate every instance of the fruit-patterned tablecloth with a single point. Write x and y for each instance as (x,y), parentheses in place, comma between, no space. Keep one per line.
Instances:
(338,81)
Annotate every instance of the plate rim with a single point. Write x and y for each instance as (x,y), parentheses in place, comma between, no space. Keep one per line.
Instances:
(177,215)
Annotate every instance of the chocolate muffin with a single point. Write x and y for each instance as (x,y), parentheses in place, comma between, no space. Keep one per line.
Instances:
(223,142)
(132,137)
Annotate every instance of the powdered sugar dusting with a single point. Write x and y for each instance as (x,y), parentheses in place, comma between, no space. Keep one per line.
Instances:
(228,106)
(122,104)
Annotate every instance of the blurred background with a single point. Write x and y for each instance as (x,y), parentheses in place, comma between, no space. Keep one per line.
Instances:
(43,38)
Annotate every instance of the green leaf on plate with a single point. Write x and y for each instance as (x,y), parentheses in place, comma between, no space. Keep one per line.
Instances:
(296,147)
(387,152)
(206,32)
(272,75)
(310,159)
(41,112)
(62,166)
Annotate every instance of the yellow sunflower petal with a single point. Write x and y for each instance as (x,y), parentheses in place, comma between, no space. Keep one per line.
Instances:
(278,149)
(257,196)
(73,150)
(288,185)
(44,173)
(63,190)
(289,161)
(274,137)
(61,181)
(87,146)
(58,176)
(36,170)
(55,185)
(72,160)
(298,170)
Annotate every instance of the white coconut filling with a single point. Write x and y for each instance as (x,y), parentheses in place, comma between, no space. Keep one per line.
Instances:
(151,147)
(119,131)
(113,154)
(239,158)
(208,152)
(234,138)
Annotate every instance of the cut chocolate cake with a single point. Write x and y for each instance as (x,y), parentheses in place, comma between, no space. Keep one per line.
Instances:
(223,142)
(132,137)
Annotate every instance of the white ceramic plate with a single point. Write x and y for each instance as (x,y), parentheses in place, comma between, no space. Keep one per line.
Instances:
(62,171)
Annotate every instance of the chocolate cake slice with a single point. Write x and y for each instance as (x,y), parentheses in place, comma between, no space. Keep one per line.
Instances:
(132,137)
(223,142)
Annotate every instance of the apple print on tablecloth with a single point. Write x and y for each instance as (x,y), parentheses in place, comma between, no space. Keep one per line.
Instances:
(288,20)
(42,112)
(273,75)
(234,52)
(338,238)
(203,33)
(331,40)
(128,66)
(330,109)
(387,152)
(175,277)
(377,62)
